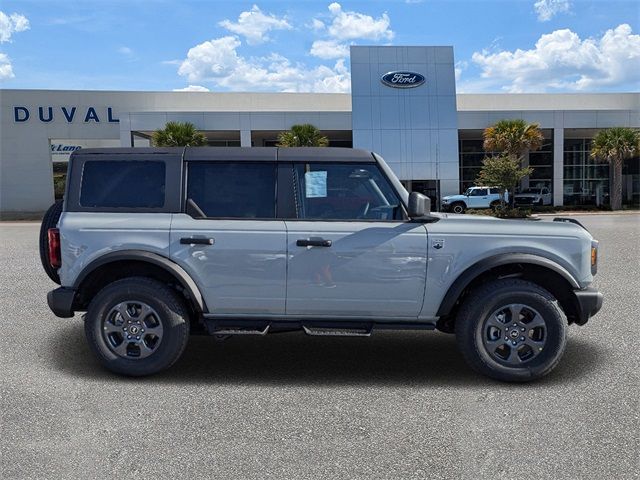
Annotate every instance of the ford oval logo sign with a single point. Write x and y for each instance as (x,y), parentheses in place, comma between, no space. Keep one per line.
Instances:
(402,79)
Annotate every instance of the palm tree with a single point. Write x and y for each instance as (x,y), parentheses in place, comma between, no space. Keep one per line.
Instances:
(515,139)
(615,145)
(304,135)
(178,134)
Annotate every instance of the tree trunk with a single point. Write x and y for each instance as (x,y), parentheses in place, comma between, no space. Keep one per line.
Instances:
(616,191)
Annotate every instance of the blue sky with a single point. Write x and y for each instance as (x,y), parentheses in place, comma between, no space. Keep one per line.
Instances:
(500,46)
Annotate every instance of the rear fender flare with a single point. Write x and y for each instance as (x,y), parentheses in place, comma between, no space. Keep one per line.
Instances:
(152,258)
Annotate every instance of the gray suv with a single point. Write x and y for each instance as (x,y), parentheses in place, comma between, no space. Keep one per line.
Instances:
(157,244)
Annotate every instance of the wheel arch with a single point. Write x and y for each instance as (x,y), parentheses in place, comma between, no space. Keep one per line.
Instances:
(116,265)
(540,270)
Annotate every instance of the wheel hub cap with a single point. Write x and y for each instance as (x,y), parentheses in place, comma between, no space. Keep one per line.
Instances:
(132,330)
(514,334)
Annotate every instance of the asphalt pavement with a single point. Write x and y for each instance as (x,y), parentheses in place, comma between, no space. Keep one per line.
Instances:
(396,405)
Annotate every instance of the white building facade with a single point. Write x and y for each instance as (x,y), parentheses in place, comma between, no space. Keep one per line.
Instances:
(403,105)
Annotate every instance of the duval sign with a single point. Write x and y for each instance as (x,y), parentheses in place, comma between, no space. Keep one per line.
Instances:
(68,114)
(402,79)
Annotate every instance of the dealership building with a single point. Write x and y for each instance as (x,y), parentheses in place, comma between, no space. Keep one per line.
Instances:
(403,105)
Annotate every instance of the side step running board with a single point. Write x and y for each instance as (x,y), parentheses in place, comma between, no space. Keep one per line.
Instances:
(337,332)
(239,331)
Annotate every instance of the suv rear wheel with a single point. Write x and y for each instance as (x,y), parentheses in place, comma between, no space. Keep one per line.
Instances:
(137,326)
(511,330)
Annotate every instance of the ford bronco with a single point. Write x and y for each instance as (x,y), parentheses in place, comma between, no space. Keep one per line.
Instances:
(157,243)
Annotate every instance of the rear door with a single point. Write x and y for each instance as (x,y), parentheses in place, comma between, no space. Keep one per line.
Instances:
(351,251)
(228,238)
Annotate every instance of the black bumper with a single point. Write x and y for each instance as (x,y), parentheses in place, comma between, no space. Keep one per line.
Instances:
(60,301)
(589,303)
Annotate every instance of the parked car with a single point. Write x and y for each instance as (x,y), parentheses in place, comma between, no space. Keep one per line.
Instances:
(474,197)
(533,196)
(155,244)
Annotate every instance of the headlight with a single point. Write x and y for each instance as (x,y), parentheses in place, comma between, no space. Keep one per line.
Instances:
(444,200)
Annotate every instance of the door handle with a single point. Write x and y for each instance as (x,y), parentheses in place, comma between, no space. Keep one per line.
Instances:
(196,241)
(318,242)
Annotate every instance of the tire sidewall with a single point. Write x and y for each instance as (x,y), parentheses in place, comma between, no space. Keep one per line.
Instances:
(459,205)
(175,328)
(472,333)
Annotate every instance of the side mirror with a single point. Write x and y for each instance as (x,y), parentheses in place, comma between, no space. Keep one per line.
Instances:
(419,205)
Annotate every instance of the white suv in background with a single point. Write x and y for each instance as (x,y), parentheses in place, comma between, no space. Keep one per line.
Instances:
(474,197)
(533,196)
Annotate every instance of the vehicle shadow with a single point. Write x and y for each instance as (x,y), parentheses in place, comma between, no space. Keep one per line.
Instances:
(386,358)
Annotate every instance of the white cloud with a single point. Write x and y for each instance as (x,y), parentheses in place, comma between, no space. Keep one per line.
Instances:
(218,62)
(460,66)
(547,9)
(317,25)
(254,24)
(351,25)
(328,49)
(6,70)
(563,61)
(10,24)
(192,88)
(125,51)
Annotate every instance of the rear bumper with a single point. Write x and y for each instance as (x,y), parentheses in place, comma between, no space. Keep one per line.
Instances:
(60,301)
(589,303)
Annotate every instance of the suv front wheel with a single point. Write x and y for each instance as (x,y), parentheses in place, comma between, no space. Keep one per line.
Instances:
(511,330)
(137,326)
(458,207)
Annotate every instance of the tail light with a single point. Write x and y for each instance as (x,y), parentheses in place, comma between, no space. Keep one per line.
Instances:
(53,235)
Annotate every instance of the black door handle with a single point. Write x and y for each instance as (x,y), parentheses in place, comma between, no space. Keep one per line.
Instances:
(196,241)
(318,242)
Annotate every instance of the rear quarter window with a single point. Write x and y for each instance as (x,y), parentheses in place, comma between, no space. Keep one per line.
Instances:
(123,184)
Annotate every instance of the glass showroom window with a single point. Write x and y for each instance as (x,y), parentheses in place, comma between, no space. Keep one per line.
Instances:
(472,154)
(542,163)
(586,181)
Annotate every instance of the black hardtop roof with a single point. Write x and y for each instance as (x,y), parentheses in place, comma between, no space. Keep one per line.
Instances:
(238,153)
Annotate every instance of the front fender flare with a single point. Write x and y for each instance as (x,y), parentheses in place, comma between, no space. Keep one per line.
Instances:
(471,273)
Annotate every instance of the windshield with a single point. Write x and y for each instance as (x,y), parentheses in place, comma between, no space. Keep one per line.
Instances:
(530,190)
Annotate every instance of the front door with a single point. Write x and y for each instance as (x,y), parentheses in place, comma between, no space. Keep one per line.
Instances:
(478,198)
(351,253)
(229,239)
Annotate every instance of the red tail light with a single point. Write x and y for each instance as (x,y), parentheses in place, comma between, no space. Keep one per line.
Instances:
(53,235)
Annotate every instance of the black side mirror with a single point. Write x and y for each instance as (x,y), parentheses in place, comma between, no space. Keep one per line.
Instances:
(419,205)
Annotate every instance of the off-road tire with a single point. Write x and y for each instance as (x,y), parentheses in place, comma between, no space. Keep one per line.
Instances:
(460,206)
(486,299)
(50,220)
(172,313)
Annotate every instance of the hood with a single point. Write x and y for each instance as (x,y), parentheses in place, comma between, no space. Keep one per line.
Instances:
(533,226)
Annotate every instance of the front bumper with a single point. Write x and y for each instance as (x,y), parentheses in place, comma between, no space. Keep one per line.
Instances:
(60,301)
(589,303)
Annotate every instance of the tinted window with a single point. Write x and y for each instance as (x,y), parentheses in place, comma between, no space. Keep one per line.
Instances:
(233,190)
(344,191)
(478,192)
(494,191)
(123,184)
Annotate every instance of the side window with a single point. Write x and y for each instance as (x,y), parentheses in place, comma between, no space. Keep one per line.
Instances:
(123,184)
(545,191)
(343,191)
(478,192)
(233,189)
(494,191)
